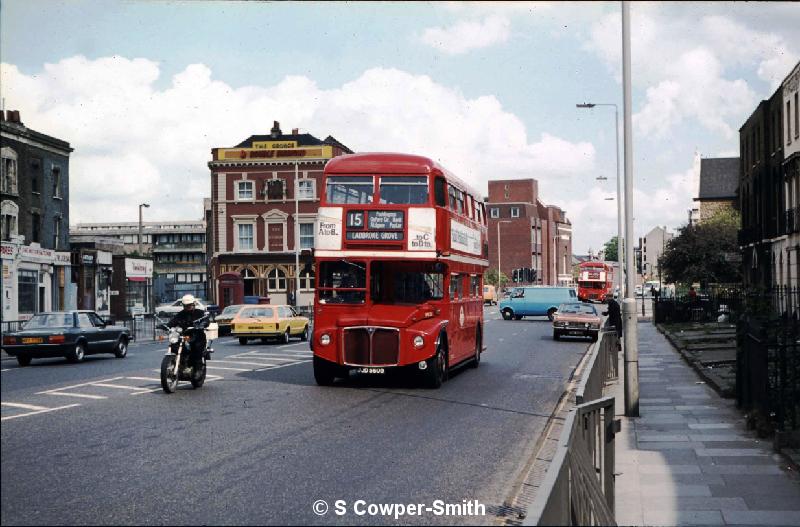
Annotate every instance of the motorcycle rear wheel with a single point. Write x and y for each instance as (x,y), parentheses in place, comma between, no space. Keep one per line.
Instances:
(169,381)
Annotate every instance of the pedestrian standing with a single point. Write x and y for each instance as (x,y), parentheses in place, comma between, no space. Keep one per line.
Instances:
(614,314)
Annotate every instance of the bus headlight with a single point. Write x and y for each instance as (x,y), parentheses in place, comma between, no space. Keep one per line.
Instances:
(419,341)
(325,339)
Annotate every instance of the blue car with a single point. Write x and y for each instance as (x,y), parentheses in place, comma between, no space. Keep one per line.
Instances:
(535,301)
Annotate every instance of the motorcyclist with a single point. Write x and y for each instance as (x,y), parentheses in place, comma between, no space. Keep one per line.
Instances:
(186,319)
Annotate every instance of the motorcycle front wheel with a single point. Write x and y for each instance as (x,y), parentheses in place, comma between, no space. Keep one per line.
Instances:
(199,379)
(169,381)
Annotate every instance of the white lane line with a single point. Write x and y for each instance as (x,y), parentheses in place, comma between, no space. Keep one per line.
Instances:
(242,362)
(152,379)
(213,378)
(39,412)
(117,386)
(280,354)
(227,368)
(79,385)
(293,345)
(283,365)
(24,406)
(82,395)
(264,358)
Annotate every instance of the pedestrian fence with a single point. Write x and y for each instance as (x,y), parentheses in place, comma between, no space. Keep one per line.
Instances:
(732,301)
(768,372)
(578,488)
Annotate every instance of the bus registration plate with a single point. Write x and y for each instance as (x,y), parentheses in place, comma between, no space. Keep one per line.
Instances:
(374,371)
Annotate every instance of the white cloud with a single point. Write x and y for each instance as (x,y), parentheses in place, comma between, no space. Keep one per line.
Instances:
(466,35)
(135,142)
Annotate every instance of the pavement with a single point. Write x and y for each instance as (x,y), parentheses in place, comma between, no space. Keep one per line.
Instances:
(688,459)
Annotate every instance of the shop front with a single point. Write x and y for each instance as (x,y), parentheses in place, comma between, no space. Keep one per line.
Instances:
(131,287)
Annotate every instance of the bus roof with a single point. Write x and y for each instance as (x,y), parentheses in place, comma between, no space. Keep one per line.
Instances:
(393,163)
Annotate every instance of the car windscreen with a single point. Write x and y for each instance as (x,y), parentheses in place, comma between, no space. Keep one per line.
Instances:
(349,189)
(404,190)
(231,310)
(257,312)
(577,309)
(50,320)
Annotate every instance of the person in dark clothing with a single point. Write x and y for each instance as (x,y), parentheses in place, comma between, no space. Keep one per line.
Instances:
(614,313)
(187,318)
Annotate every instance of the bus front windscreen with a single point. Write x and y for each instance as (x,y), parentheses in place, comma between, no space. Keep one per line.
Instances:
(404,190)
(394,282)
(342,282)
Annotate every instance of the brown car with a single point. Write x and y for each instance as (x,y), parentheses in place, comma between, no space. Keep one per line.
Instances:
(581,320)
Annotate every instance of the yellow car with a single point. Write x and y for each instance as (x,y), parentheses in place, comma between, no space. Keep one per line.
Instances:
(489,295)
(268,321)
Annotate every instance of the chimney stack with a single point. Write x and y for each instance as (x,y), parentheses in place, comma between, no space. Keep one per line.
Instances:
(295,131)
(276,130)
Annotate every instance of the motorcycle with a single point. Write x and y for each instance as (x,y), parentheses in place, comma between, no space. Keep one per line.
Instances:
(175,365)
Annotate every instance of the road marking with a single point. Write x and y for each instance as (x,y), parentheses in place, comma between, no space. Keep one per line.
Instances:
(262,357)
(153,379)
(283,365)
(24,406)
(68,394)
(118,386)
(213,378)
(242,362)
(79,385)
(227,368)
(39,411)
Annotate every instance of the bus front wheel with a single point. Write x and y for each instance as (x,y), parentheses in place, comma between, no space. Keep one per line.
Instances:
(436,372)
(324,371)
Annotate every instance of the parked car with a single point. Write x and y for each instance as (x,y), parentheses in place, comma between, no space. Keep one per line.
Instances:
(269,321)
(167,311)
(69,334)
(576,319)
(489,295)
(536,301)
(225,318)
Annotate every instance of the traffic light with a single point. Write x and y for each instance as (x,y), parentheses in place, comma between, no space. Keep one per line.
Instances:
(515,275)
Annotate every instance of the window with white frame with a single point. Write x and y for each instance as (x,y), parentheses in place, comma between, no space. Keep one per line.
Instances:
(307,280)
(515,212)
(495,212)
(244,190)
(276,280)
(306,189)
(56,171)
(8,178)
(306,235)
(10,213)
(245,236)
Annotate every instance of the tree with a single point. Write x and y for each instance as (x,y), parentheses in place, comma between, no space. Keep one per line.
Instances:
(490,277)
(610,249)
(698,253)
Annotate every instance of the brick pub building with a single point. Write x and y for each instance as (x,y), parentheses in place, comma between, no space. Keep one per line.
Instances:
(532,234)
(260,189)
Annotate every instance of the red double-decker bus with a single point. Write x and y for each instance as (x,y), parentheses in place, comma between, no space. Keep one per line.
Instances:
(400,251)
(595,280)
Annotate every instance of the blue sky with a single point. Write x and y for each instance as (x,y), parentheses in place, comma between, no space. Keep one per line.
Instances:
(144,90)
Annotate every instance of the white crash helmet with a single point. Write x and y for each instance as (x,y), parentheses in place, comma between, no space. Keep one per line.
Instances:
(187,300)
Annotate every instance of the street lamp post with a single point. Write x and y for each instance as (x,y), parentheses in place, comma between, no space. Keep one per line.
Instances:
(498,251)
(146,205)
(621,279)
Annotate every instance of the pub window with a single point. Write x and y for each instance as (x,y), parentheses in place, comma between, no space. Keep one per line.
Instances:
(307,280)
(245,236)
(244,190)
(305,189)
(27,283)
(306,235)
(275,189)
(276,280)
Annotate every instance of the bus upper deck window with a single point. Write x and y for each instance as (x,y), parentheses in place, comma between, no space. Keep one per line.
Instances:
(439,191)
(404,190)
(350,189)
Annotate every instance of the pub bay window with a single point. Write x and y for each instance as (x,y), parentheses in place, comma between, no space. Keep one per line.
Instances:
(276,280)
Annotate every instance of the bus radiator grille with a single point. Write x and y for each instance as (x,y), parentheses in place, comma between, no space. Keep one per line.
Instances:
(371,346)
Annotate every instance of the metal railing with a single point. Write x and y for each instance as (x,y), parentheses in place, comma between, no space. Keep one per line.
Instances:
(9,326)
(601,368)
(579,486)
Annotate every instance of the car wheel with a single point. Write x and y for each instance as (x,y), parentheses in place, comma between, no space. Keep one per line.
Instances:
(243,341)
(594,337)
(121,349)
(551,313)
(23,360)
(436,371)
(286,336)
(304,335)
(507,314)
(556,335)
(78,353)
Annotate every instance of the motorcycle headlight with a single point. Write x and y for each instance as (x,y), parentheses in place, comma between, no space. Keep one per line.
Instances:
(419,341)
(174,337)
(325,339)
